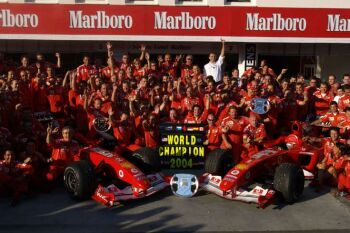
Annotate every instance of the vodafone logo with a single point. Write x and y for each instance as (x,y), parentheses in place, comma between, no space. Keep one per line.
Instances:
(9,19)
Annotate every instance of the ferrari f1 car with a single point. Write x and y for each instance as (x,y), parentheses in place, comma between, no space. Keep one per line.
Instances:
(110,178)
(280,168)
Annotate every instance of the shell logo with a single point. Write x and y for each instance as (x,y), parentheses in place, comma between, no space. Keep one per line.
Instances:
(241,166)
(126,165)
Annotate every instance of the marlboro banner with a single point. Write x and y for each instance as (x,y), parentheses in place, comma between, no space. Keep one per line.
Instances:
(170,23)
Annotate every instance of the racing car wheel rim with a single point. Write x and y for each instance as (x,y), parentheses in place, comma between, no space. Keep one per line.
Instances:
(71,181)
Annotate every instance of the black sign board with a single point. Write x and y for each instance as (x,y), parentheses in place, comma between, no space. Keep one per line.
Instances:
(181,145)
(250,56)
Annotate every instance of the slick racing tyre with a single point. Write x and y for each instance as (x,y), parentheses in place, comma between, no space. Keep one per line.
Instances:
(218,162)
(289,181)
(80,180)
(149,158)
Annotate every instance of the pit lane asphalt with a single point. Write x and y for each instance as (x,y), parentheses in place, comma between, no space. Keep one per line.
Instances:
(56,212)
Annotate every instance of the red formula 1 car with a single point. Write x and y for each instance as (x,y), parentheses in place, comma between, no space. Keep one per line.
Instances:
(109,177)
(281,168)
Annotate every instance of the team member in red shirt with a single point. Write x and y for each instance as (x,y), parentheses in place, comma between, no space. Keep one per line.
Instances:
(302,102)
(14,176)
(167,66)
(345,124)
(342,168)
(289,110)
(85,70)
(332,165)
(55,94)
(322,99)
(333,84)
(110,70)
(186,68)
(333,116)
(189,101)
(142,92)
(94,111)
(253,135)
(328,145)
(197,116)
(151,133)
(214,138)
(344,101)
(123,130)
(271,117)
(232,128)
(25,67)
(346,79)
(104,94)
(64,151)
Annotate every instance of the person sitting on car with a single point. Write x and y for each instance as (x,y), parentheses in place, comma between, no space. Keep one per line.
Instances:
(253,135)
(64,151)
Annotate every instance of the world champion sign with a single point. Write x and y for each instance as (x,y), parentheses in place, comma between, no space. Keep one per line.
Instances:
(181,145)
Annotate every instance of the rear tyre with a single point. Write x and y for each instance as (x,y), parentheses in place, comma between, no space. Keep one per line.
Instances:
(79,180)
(149,159)
(289,181)
(218,162)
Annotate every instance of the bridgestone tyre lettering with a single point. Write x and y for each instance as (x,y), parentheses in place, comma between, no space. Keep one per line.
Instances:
(289,181)
(79,180)
(218,162)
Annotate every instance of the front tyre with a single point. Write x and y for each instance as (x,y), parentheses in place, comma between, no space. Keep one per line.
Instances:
(218,162)
(80,180)
(289,181)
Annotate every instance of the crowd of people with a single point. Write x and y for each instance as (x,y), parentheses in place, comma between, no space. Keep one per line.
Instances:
(134,96)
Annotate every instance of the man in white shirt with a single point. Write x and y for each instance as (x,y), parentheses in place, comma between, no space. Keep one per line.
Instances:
(213,68)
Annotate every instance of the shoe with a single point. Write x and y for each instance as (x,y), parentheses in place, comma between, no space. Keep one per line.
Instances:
(343,194)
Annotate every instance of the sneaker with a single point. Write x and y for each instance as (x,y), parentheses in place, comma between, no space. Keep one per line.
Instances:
(343,194)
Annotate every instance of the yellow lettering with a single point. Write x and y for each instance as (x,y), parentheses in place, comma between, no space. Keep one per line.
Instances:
(181,140)
(176,139)
(195,151)
(170,139)
(193,140)
(201,151)
(160,151)
(178,151)
(166,151)
(186,141)
(184,150)
(172,151)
